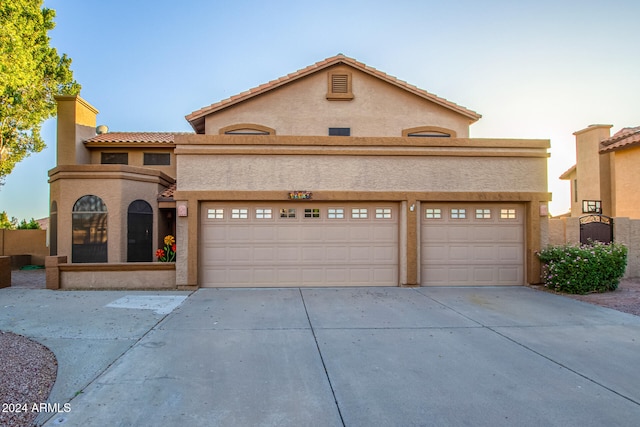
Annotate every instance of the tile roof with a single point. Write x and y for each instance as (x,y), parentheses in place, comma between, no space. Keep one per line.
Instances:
(133,137)
(196,118)
(624,138)
(167,195)
(567,173)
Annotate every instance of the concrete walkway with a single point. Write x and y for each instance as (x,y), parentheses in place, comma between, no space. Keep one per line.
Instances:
(333,357)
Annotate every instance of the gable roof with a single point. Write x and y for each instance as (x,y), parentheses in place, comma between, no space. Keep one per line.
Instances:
(624,138)
(196,119)
(568,172)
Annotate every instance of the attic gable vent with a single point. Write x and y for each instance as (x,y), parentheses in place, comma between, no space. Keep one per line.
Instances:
(339,86)
(339,83)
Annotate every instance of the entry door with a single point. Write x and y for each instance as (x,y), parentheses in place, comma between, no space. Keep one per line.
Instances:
(140,232)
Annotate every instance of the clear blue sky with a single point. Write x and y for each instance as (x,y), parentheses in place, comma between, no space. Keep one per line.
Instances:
(533,69)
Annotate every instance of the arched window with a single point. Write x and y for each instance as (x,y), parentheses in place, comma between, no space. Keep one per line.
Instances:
(89,222)
(429,132)
(53,229)
(139,232)
(247,129)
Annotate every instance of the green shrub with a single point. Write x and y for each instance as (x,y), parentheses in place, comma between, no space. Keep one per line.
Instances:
(583,269)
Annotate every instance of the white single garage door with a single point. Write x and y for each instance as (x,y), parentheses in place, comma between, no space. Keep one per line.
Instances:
(466,244)
(299,243)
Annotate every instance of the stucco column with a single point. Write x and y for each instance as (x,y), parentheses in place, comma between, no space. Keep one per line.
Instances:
(52,272)
(182,242)
(411,213)
(535,222)
(5,271)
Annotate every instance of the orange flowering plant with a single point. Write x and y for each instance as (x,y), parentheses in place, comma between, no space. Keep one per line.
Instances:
(168,253)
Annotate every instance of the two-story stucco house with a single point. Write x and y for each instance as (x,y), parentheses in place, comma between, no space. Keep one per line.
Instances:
(606,174)
(334,175)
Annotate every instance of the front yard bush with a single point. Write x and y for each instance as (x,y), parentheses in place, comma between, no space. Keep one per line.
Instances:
(584,269)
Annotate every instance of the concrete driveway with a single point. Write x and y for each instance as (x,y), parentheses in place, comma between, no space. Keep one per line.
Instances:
(333,357)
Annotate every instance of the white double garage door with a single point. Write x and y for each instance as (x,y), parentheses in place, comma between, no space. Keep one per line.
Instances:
(357,244)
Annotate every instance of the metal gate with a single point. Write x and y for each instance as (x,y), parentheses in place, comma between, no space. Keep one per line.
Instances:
(596,228)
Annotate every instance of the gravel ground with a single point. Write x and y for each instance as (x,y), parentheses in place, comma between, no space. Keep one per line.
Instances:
(27,373)
(28,369)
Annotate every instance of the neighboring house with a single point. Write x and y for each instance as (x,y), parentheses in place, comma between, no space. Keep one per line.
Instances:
(606,174)
(334,175)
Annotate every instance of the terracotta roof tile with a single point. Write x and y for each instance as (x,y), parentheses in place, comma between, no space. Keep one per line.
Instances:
(167,195)
(134,137)
(196,118)
(624,138)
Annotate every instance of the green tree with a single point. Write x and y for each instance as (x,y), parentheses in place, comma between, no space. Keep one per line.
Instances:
(31,225)
(31,74)
(5,222)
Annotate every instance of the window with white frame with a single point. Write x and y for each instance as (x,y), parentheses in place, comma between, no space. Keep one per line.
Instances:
(287,213)
(215,213)
(433,213)
(359,213)
(263,213)
(239,213)
(383,213)
(312,213)
(458,213)
(507,213)
(335,213)
(483,213)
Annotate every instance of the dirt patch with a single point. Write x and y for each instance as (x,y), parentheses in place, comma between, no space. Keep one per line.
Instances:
(626,298)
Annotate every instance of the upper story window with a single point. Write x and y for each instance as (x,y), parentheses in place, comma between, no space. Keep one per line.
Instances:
(157,159)
(246,129)
(339,131)
(339,86)
(114,158)
(429,132)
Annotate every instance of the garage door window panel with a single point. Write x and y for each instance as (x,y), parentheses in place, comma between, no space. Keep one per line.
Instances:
(458,213)
(312,213)
(287,213)
(264,213)
(359,213)
(433,213)
(240,213)
(508,213)
(335,213)
(215,213)
(483,213)
(383,213)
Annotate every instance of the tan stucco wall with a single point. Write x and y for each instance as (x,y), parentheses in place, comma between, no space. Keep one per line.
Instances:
(301,108)
(118,186)
(363,173)
(25,242)
(113,276)
(627,178)
(208,162)
(136,158)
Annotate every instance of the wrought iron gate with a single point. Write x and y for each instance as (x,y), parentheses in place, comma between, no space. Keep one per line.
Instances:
(596,228)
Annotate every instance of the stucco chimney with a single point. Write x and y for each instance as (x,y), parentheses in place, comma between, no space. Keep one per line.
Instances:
(76,123)
(593,170)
